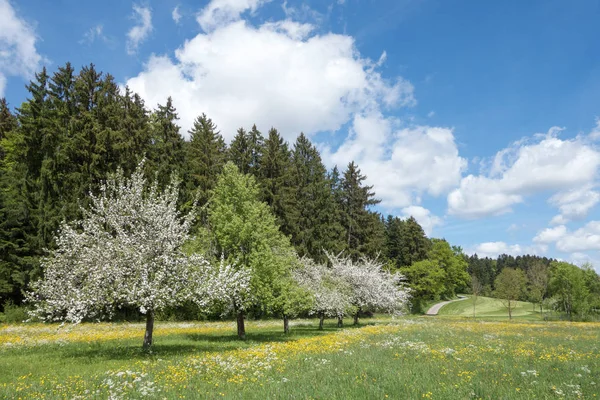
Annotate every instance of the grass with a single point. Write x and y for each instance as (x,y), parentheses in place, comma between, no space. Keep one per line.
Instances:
(408,358)
(490,308)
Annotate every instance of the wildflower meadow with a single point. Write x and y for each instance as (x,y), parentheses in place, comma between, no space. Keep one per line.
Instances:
(382,358)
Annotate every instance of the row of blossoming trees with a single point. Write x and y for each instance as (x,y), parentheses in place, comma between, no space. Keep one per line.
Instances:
(133,248)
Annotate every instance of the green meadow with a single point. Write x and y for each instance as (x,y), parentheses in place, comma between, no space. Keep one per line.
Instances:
(401,358)
(490,308)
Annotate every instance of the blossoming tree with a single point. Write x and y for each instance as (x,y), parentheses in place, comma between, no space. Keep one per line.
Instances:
(371,286)
(331,293)
(351,287)
(126,251)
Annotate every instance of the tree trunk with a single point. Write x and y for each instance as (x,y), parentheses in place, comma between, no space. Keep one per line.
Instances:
(340,322)
(474,303)
(286,324)
(356,317)
(509,310)
(149,330)
(321,319)
(241,328)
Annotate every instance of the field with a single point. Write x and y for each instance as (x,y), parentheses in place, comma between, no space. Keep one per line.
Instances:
(490,308)
(407,358)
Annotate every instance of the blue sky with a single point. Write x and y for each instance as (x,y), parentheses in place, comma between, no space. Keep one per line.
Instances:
(478,118)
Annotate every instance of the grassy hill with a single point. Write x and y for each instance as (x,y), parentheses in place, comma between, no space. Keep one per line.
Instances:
(489,308)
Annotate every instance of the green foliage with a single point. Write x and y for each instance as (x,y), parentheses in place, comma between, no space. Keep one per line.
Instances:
(246,234)
(510,287)
(313,226)
(14,314)
(358,223)
(276,181)
(206,155)
(426,279)
(568,286)
(453,263)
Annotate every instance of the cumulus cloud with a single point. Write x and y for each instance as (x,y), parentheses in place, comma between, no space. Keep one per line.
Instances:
(141,30)
(494,249)
(284,74)
(219,13)
(574,204)
(18,53)
(176,15)
(583,239)
(550,235)
(402,163)
(240,75)
(545,163)
(595,133)
(424,217)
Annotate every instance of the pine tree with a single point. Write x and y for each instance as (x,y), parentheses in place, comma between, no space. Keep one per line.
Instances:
(8,243)
(240,152)
(356,220)
(314,220)
(167,151)
(246,149)
(276,180)
(206,155)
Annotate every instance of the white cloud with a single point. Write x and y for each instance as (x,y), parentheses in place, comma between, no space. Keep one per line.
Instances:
(138,33)
(94,33)
(583,239)
(240,75)
(550,235)
(285,75)
(595,133)
(176,15)
(525,168)
(2,84)
(582,258)
(574,204)
(424,217)
(431,114)
(219,13)
(290,28)
(494,249)
(401,163)
(18,54)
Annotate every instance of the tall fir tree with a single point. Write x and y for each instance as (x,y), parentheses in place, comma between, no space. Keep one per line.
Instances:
(356,198)
(167,151)
(246,149)
(313,227)
(276,180)
(240,152)
(206,155)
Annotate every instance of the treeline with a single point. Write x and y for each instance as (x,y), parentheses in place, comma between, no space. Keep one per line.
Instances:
(487,269)
(78,127)
(551,284)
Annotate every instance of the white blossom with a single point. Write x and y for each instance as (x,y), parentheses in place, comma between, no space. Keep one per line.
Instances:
(126,251)
(372,287)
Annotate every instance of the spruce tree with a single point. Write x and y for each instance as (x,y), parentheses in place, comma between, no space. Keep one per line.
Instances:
(313,229)
(276,180)
(358,224)
(240,151)
(206,155)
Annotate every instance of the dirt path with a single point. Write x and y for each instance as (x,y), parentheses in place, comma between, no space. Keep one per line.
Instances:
(436,307)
